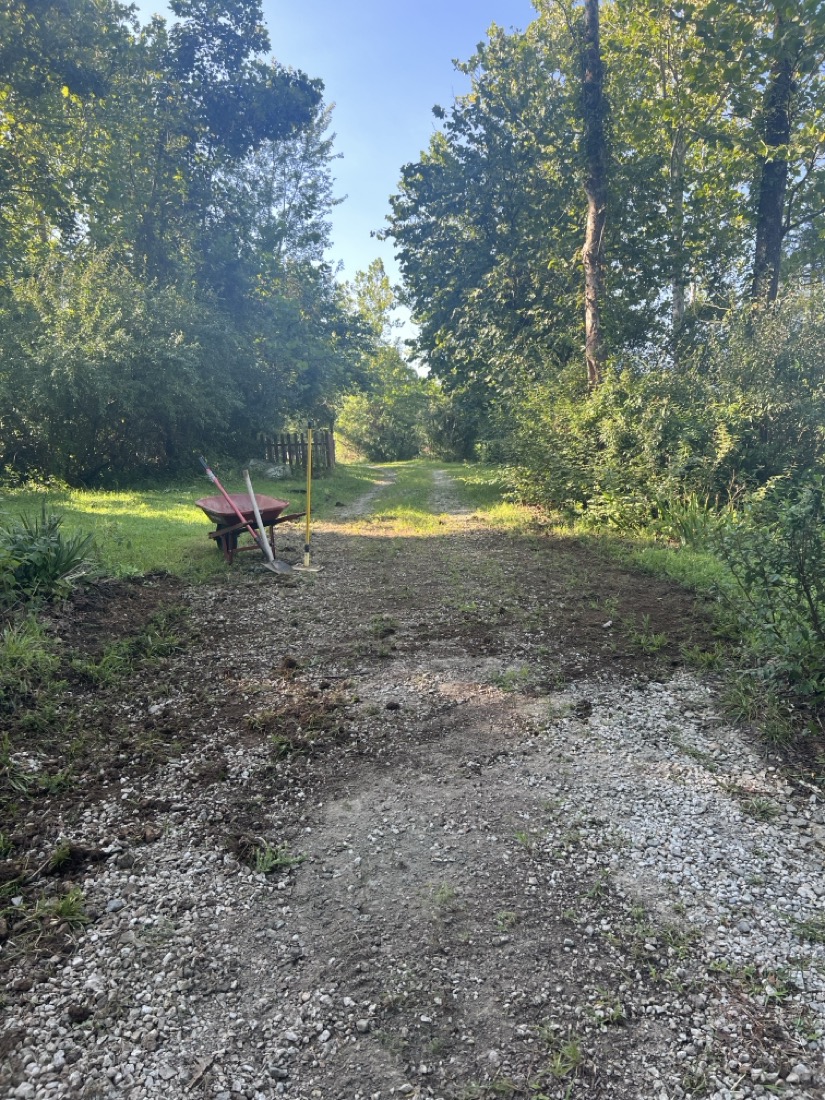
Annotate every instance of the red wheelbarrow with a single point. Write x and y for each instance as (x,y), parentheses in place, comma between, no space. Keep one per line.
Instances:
(228,526)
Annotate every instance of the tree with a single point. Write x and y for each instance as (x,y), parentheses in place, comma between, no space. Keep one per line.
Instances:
(677,135)
(163,227)
(387,420)
(794,46)
(56,60)
(485,223)
(593,109)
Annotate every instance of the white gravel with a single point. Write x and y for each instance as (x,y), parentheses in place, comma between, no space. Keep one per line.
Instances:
(199,977)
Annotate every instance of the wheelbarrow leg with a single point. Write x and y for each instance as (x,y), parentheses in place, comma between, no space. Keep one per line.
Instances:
(227,544)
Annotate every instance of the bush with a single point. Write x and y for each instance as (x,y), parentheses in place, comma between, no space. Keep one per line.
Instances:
(643,436)
(775,550)
(387,423)
(39,562)
(746,408)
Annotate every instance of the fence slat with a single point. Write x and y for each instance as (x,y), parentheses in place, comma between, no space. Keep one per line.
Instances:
(290,449)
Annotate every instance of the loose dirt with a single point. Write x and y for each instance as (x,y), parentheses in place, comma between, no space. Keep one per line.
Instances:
(450,818)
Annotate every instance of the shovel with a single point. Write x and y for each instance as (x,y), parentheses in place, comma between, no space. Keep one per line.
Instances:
(275,566)
(258,536)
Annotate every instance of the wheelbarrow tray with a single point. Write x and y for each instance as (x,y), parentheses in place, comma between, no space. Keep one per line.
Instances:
(228,528)
(222,515)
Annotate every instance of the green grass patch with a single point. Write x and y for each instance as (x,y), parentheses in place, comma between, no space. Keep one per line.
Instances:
(27,662)
(694,569)
(408,504)
(164,633)
(141,531)
(407,500)
(405,504)
(481,486)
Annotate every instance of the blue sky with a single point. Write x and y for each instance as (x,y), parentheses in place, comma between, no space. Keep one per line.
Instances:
(384,64)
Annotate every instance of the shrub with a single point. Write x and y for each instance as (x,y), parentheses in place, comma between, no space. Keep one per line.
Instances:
(775,550)
(747,407)
(38,561)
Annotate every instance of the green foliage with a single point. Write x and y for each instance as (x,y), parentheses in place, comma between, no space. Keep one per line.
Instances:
(690,520)
(387,419)
(387,423)
(163,634)
(139,531)
(38,561)
(775,551)
(164,202)
(27,662)
(268,859)
(68,909)
(670,448)
(701,399)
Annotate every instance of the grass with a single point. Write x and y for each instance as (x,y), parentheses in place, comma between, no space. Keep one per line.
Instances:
(43,722)
(774,986)
(265,859)
(41,917)
(27,661)
(759,808)
(480,485)
(163,634)
(526,840)
(748,700)
(564,1054)
(444,896)
(512,679)
(486,488)
(140,531)
(812,930)
(644,637)
(404,505)
(697,570)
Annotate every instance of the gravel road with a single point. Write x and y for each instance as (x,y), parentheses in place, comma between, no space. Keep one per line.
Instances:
(434,828)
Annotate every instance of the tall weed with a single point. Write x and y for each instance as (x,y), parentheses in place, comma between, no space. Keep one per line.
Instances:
(692,519)
(27,662)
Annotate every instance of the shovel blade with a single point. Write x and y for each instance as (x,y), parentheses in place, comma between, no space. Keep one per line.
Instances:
(278,566)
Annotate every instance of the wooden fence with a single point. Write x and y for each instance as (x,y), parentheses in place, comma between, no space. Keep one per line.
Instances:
(290,449)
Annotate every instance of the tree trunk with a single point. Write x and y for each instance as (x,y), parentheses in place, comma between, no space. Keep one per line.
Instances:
(774,179)
(595,186)
(678,153)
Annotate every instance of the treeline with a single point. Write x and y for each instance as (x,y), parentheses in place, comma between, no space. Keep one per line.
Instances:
(692,138)
(165,193)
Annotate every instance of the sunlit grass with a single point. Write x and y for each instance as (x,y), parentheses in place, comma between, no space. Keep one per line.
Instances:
(481,486)
(140,531)
(406,507)
(693,568)
(403,507)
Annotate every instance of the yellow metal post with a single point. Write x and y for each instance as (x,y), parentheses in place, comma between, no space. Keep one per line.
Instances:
(307,566)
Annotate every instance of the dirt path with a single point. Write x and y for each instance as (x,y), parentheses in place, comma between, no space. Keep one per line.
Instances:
(530,860)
